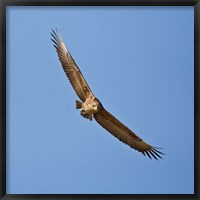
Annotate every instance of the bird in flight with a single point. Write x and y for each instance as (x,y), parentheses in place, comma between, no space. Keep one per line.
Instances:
(90,107)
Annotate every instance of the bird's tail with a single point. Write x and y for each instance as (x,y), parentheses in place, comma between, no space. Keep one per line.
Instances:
(78,104)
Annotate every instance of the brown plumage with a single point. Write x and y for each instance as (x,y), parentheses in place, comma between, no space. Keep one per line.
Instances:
(91,107)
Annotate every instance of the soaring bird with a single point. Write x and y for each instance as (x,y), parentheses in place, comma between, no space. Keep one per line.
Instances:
(90,107)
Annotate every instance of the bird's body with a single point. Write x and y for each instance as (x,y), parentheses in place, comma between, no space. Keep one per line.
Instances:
(90,107)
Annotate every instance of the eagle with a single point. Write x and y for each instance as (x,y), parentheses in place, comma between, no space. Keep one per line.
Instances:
(90,107)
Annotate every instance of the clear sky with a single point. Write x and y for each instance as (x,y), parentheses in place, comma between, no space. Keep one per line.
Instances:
(138,61)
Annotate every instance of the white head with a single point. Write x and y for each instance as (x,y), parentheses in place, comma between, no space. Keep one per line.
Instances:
(95,105)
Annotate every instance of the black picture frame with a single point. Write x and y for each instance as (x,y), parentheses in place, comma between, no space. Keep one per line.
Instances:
(5,3)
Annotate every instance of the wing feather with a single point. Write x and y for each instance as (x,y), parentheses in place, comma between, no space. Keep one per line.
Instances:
(124,134)
(70,68)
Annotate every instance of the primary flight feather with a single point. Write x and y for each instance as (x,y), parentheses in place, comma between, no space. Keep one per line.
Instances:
(91,107)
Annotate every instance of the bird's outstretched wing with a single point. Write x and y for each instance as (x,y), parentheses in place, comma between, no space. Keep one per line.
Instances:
(124,134)
(71,69)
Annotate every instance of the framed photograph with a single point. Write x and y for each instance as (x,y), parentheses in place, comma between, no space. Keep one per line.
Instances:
(99,99)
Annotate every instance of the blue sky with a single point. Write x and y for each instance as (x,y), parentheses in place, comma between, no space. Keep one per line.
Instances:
(138,61)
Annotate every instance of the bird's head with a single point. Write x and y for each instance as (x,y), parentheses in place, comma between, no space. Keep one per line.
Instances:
(96,105)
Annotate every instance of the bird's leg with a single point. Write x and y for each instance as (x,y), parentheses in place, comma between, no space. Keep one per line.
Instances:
(79,105)
(86,115)
(83,112)
(90,117)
